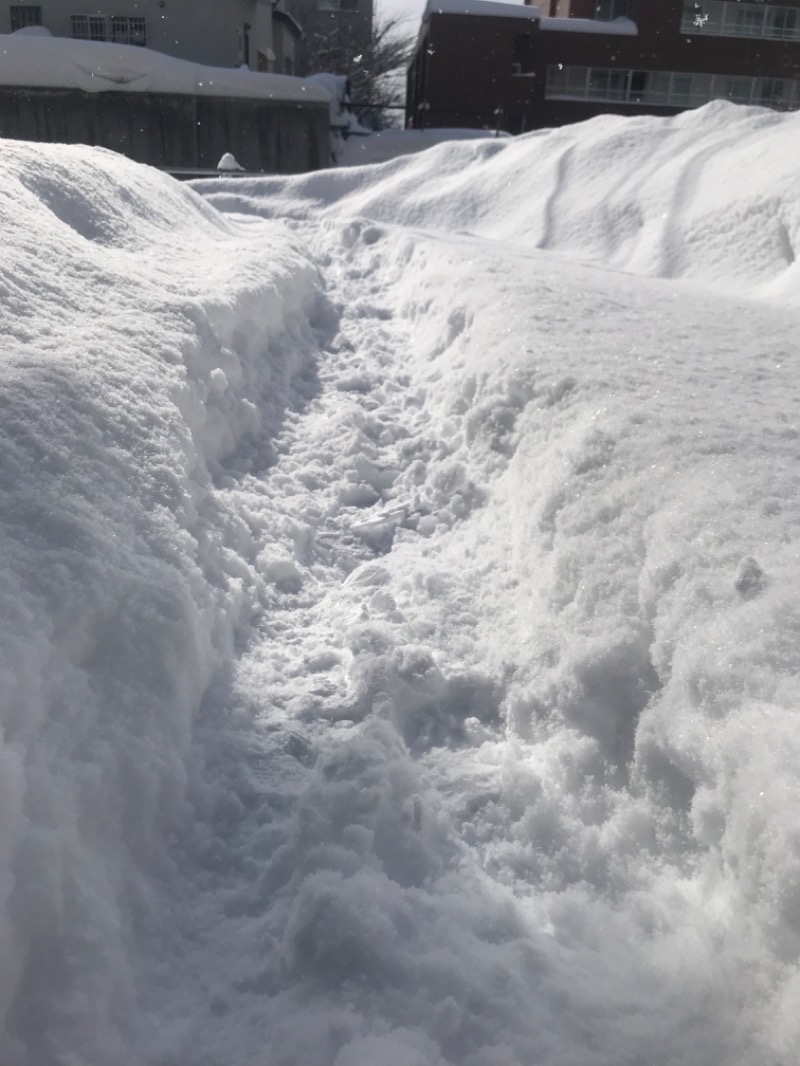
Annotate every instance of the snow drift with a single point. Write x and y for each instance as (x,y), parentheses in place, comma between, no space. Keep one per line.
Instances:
(400,632)
(709,194)
(136,324)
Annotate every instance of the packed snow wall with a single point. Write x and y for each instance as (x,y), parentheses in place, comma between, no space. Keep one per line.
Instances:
(139,331)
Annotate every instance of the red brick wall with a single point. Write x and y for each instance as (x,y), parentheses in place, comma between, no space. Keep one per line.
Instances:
(468,62)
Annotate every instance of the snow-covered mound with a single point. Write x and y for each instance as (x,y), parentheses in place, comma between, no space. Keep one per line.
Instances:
(137,328)
(400,644)
(359,151)
(709,194)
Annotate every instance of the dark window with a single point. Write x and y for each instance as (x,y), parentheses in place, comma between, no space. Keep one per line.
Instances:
(519,60)
(121,29)
(608,84)
(739,89)
(127,30)
(681,90)
(89,27)
(613,9)
(25,16)
(638,85)
(771,93)
(782,22)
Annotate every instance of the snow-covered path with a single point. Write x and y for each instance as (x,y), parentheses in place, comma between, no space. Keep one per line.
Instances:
(400,649)
(456,716)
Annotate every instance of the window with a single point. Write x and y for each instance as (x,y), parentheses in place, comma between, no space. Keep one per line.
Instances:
(637,86)
(735,18)
(746,21)
(126,30)
(89,27)
(607,84)
(121,29)
(25,16)
(613,9)
(567,82)
(781,22)
(739,89)
(680,91)
(522,45)
(771,92)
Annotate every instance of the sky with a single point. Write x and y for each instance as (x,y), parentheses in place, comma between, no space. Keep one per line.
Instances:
(409,11)
(398,605)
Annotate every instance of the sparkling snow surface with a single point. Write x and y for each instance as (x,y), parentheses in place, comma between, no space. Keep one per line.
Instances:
(400,623)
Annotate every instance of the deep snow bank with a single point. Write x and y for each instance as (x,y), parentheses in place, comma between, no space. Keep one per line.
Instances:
(709,194)
(504,767)
(583,625)
(143,347)
(585,634)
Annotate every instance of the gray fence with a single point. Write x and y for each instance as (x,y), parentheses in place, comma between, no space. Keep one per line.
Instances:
(174,131)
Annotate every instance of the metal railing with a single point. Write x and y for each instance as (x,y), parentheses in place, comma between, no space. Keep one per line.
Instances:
(723,18)
(668,88)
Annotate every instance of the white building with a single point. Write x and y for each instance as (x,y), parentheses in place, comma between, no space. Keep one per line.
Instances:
(221,33)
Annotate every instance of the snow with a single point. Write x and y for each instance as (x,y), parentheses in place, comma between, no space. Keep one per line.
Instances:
(399,630)
(42,61)
(493,8)
(498,9)
(335,85)
(622,27)
(382,147)
(229,162)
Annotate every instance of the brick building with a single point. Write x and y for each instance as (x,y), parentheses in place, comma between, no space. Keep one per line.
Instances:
(502,66)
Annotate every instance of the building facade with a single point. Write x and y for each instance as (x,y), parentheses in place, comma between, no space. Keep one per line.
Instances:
(278,36)
(223,33)
(515,68)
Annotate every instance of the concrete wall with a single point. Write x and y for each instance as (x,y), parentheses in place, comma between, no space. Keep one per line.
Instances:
(174,131)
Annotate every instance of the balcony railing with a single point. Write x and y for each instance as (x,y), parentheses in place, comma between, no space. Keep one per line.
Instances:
(730,18)
(660,88)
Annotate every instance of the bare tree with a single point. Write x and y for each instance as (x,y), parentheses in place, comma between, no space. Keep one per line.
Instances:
(373,58)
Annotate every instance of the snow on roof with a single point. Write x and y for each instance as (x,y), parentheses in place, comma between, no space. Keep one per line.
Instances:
(480,7)
(94,66)
(623,27)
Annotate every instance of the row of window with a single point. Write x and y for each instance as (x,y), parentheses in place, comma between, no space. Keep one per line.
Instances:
(723,18)
(121,29)
(668,89)
(25,16)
